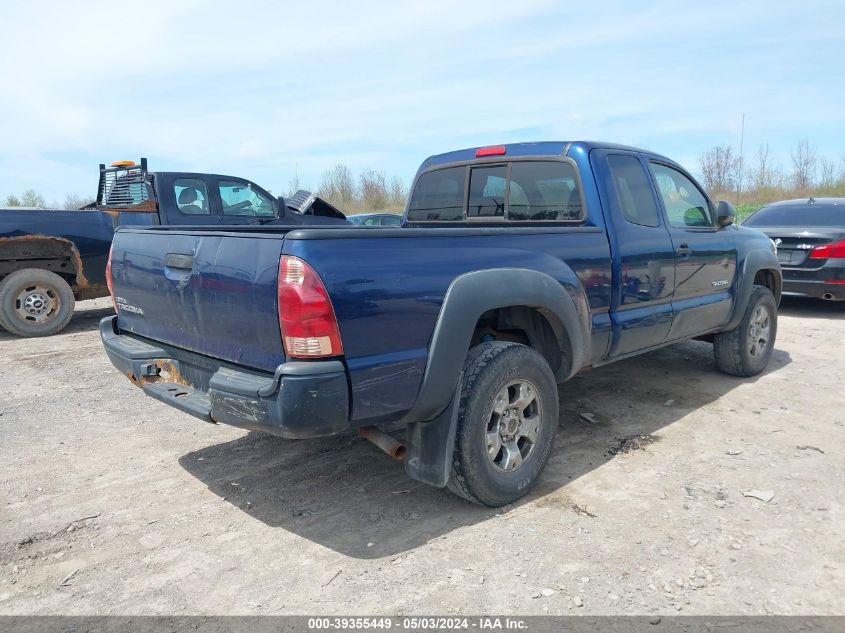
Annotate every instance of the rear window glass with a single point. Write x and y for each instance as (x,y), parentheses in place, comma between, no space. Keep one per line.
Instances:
(535,191)
(806,215)
(544,191)
(438,196)
(487,192)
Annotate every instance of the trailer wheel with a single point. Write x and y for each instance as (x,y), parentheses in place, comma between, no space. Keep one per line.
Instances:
(507,423)
(35,302)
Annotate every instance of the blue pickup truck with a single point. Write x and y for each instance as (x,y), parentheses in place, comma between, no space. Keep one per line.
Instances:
(51,258)
(517,266)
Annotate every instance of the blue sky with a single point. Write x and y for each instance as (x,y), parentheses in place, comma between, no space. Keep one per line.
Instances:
(267,89)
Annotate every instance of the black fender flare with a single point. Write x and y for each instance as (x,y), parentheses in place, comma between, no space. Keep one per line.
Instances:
(472,294)
(753,262)
(432,421)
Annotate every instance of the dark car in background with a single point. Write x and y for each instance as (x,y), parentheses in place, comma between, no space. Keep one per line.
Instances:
(810,237)
(376,219)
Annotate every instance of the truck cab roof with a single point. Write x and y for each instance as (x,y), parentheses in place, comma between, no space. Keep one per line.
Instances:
(523,150)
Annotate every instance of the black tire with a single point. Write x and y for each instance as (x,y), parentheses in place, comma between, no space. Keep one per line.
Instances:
(491,370)
(35,302)
(740,351)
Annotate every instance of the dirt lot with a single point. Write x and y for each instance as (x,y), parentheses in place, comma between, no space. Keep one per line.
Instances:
(115,504)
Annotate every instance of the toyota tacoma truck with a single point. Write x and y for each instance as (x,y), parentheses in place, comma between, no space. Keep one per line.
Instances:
(51,258)
(516,267)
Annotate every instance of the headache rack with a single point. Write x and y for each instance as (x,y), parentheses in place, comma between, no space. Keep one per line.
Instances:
(127,187)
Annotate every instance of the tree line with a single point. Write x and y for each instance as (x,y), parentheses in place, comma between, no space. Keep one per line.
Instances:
(758,178)
(31,198)
(370,191)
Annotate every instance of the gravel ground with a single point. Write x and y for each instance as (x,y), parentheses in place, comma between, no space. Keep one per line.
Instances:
(112,503)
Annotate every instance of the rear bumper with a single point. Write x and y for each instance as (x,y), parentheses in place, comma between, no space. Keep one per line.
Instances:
(299,400)
(815,289)
(819,283)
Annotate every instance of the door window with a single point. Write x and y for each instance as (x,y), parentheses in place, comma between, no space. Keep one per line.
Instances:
(633,190)
(239,198)
(191,196)
(685,205)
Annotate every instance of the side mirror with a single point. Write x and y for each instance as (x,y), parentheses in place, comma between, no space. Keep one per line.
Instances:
(696,216)
(725,213)
(280,206)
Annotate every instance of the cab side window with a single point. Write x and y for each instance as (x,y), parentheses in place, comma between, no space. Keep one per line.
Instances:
(685,205)
(239,198)
(633,190)
(191,196)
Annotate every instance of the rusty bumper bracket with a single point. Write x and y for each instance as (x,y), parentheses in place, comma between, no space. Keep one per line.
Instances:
(187,399)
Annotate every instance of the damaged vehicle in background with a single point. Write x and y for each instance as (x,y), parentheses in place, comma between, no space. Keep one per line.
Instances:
(49,258)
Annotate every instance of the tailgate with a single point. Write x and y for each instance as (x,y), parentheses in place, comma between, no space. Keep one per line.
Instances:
(210,293)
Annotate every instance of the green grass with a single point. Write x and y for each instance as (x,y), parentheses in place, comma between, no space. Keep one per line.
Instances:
(746,209)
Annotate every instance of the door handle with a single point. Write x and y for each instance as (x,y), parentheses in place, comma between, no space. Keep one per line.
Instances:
(178,261)
(684,251)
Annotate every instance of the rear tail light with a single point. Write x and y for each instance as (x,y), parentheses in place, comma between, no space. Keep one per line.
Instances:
(306,317)
(826,251)
(110,281)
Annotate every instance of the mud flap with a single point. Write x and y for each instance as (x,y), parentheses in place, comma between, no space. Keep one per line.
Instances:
(431,444)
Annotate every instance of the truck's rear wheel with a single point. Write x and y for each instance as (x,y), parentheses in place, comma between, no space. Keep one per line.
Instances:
(507,423)
(746,350)
(35,302)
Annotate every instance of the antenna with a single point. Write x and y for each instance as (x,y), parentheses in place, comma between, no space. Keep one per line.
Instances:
(739,165)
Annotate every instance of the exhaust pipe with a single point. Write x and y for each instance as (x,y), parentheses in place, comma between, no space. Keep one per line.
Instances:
(827,296)
(385,442)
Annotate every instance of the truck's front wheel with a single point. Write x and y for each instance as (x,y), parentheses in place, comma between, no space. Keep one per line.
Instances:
(746,350)
(506,424)
(35,302)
